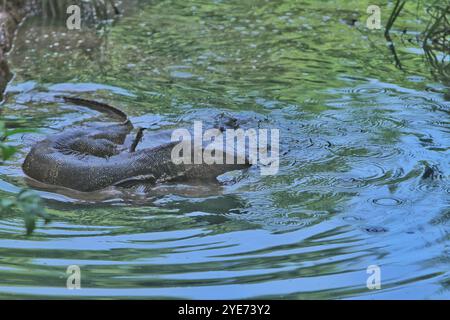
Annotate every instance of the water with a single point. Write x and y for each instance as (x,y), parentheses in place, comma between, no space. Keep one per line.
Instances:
(357,136)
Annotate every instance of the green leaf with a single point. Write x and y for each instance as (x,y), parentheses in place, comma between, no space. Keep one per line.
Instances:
(30,224)
(7,151)
(32,206)
(6,203)
(2,131)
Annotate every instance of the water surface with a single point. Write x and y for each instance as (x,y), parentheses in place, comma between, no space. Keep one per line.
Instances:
(358,139)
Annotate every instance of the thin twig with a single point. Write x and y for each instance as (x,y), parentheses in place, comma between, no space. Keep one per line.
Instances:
(394,14)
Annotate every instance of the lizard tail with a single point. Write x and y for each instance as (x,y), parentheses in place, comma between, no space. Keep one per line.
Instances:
(98,106)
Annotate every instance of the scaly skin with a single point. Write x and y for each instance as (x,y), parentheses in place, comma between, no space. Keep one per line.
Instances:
(91,159)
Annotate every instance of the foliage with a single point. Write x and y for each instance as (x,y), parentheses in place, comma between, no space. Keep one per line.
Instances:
(27,201)
(436,40)
(433,38)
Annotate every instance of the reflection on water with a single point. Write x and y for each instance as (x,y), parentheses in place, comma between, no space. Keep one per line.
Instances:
(364,167)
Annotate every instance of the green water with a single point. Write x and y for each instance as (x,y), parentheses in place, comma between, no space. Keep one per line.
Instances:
(357,134)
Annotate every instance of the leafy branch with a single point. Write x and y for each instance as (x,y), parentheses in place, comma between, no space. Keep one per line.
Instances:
(27,201)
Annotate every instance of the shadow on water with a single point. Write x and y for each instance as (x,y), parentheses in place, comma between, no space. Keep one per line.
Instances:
(363,178)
